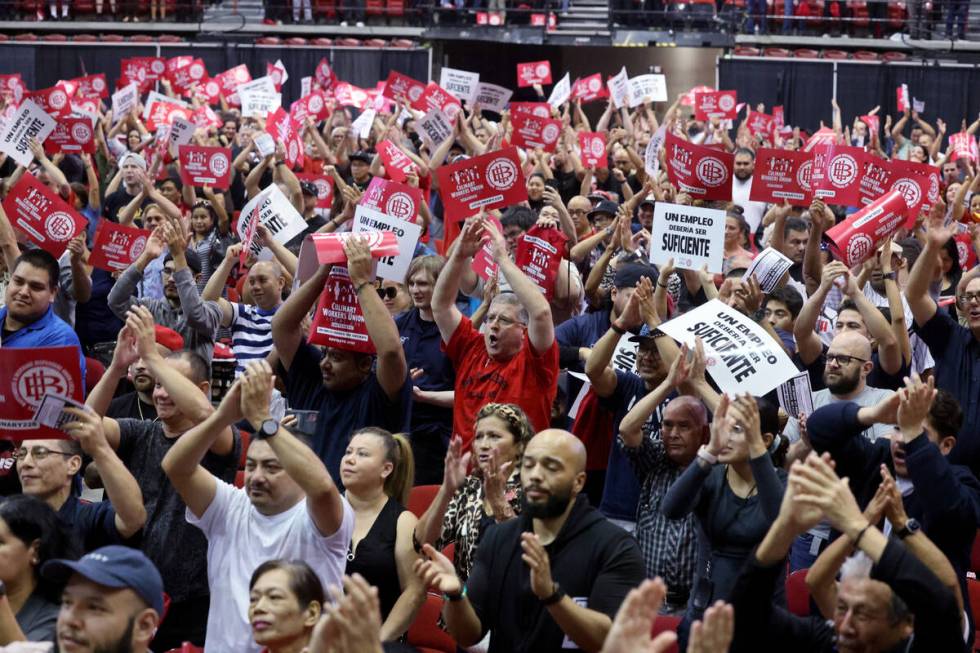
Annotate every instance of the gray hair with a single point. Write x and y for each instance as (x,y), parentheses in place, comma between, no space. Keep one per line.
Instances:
(858,567)
(511,299)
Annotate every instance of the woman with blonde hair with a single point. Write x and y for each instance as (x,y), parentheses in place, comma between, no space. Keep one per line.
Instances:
(377,472)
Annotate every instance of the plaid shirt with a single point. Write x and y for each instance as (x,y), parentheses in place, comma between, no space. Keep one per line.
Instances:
(669,546)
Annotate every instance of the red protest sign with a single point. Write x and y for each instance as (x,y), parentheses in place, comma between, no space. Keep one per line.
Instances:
(71,135)
(392,198)
(837,171)
(539,109)
(313,105)
(964,248)
(229,81)
(184,77)
(403,88)
(277,72)
(701,172)
(964,146)
(134,70)
(533,132)
(339,322)
(324,187)
(593,147)
(397,164)
(28,375)
(46,219)
(490,181)
(902,98)
(873,122)
(90,85)
(436,97)
(204,117)
(348,95)
(759,124)
(715,104)
(875,181)
(249,238)
(588,89)
(781,175)
(208,91)
(54,101)
(533,72)
(324,75)
(116,246)
(330,247)
(483,264)
(823,136)
(163,113)
(12,88)
(539,254)
(285,130)
(201,165)
(778,117)
(856,239)
(919,185)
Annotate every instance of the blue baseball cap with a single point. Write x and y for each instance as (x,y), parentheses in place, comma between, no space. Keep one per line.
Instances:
(113,566)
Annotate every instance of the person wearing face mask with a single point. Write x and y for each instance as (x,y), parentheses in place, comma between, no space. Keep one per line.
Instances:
(377,474)
(285,600)
(467,504)
(734,489)
(433,376)
(941,498)
(551,579)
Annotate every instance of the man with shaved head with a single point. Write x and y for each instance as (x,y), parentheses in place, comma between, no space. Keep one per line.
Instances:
(551,579)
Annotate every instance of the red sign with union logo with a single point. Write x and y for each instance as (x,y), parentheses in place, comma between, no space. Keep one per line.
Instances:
(533,72)
(71,135)
(919,185)
(201,165)
(539,253)
(324,188)
(397,164)
(30,374)
(837,173)
(92,85)
(876,180)
(338,321)
(781,175)
(588,89)
(46,219)
(856,239)
(287,131)
(313,105)
(715,104)
(403,88)
(229,81)
(702,172)
(436,97)
(539,109)
(491,181)
(534,132)
(392,198)
(55,100)
(593,147)
(116,246)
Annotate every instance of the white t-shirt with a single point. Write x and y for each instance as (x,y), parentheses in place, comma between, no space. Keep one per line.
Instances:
(240,538)
(753,212)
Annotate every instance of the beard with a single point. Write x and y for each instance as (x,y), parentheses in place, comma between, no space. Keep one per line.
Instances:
(124,644)
(555,505)
(843,384)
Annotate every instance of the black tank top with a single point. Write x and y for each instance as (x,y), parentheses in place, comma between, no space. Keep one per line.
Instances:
(375,556)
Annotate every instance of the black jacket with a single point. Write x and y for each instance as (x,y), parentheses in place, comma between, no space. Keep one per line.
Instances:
(595,562)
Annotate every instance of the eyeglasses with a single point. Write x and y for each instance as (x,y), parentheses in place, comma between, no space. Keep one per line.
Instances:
(502,320)
(843,359)
(38,453)
(388,293)
(969,298)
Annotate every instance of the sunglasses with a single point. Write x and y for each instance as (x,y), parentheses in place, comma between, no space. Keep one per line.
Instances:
(388,293)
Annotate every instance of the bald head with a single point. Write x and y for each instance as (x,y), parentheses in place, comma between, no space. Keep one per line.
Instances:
(688,407)
(560,444)
(851,343)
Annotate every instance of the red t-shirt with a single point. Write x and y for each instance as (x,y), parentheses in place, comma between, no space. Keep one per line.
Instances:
(529,380)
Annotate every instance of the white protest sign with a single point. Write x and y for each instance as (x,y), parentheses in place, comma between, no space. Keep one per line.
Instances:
(461,84)
(124,100)
(768,267)
(362,126)
(181,132)
(624,358)
(263,84)
(919,106)
(647,88)
(692,236)
(27,120)
(493,97)
(393,268)
(434,127)
(284,76)
(561,92)
(159,98)
(258,104)
(619,87)
(264,144)
(651,158)
(305,86)
(276,212)
(795,396)
(741,355)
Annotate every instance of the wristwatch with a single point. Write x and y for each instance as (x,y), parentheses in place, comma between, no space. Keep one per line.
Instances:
(707,456)
(555,597)
(267,429)
(911,527)
(892,276)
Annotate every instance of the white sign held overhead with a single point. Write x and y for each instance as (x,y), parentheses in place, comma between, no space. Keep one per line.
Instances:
(259,104)
(561,92)
(362,126)
(741,355)
(768,268)
(278,215)
(264,84)
(181,132)
(28,120)
(619,88)
(493,97)
(795,396)
(647,88)
(264,144)
(393,268)
(434,127)
(651,158)
(461,84)
(124,100)
(690,235)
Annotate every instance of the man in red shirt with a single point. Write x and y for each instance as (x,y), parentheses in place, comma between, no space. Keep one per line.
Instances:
(515,360)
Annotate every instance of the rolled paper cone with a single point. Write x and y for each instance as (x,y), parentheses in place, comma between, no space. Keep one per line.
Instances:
(856,239)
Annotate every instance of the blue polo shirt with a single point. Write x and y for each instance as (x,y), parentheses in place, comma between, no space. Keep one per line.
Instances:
(49,331)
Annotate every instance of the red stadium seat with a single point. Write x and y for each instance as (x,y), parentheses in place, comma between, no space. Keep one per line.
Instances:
(25,37)
(777,52)
(54,38)
(894,56)
(835,54)
(4,38)
(268,40)
(420,497)
(425,633)
(664,624)
(806,53)
(375,43)
(326,8)
(973,588)
(322,42)
(85,38)
(403,43)
(866,55)
(797,593)
(141,38)
(169,38)
(348,43)
(975,555)
(396,8)
(111,38)
(746,51)
(295,40)
(93,372)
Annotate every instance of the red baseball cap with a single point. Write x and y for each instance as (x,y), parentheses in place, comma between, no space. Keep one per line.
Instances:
(169,338)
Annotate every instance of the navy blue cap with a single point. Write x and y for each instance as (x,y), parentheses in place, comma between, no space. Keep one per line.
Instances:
(113,566)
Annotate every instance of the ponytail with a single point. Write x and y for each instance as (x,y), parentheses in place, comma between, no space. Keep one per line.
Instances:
(399,483)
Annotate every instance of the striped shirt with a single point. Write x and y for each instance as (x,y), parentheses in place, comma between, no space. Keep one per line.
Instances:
(251,334)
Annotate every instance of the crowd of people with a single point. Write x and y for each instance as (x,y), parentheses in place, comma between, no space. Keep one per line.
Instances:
(587,473)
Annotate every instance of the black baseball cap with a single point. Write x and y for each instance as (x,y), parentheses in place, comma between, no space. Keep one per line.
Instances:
(605,206)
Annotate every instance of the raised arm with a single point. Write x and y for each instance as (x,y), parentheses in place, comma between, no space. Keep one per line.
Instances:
(122,295)
(889,351)
(804,329)
(287,333)
(444,311)
(430,524)
(917,290)
(8,241)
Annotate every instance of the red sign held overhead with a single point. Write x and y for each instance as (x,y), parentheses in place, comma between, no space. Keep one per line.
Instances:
(229,81)
(324,76)
(187,74)
(781,175)
(876,180)
(491,181)
(330,247)
(339,322)
(397,164)
(392,198)
(837,173)
(202,165)
(324,187)
(919,185)
(287,131)
(964,146)
(593,147)
(313,105)
(533,72)
(759,124)
(823,136)
(30,374)
(71,135)
(116,246)
(12,88)
(436,97)
(55,101)
(856,239)
(715,104)
(403,88)
(46,219)
(588,89)
(701,172)
(539,254)
(90,85)
(533,132)
(539,109)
